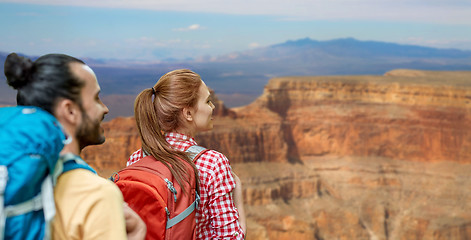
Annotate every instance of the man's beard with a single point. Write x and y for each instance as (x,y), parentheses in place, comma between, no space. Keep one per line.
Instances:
(89,132)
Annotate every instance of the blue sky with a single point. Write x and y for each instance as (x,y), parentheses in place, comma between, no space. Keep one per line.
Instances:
(152,30)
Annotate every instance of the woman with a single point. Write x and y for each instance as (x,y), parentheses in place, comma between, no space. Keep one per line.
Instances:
(174,111)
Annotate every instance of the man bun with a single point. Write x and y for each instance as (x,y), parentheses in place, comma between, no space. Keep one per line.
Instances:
(17,70)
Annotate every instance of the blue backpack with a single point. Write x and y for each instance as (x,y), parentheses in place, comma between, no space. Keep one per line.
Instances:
(30,142)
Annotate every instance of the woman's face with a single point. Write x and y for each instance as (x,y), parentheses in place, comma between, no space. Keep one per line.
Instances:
(202,113)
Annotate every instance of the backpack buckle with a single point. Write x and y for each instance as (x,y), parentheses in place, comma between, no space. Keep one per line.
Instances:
(114,177)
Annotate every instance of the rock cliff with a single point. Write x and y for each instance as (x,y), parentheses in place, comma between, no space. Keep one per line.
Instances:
(343,157)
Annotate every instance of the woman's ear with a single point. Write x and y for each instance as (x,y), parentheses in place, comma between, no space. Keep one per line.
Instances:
(68,112)
(187,114)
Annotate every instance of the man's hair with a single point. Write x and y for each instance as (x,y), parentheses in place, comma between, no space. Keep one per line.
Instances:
(43,82)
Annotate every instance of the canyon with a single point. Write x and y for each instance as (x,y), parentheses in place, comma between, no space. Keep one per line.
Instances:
(341,157)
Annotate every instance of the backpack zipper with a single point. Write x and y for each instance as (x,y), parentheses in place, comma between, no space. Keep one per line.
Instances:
(172,189)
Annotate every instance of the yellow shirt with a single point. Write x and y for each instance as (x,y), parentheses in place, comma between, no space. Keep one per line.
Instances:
(87,207)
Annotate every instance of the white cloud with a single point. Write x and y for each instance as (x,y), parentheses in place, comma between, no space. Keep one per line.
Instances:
(192,27)
(254,45)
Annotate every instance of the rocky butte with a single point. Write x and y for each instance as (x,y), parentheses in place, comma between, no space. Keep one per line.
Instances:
(342,157)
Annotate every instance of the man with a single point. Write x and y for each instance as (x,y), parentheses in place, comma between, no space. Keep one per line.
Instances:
(87,206)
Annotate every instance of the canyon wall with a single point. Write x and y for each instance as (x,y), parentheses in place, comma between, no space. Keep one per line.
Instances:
(342,157)
(408,115)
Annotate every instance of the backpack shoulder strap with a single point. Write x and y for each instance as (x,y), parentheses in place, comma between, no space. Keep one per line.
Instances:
(195,151)
(72,161)
(67,162)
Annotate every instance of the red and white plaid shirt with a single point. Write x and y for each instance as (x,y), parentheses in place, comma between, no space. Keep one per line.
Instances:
(217,217)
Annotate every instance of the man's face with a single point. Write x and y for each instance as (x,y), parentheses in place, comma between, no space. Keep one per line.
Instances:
(90,132)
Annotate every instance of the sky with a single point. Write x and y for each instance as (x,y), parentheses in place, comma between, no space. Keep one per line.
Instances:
(156,30)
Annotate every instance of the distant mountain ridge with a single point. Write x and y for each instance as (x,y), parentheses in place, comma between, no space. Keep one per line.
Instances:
(351,46)
(344,47)
(238,78)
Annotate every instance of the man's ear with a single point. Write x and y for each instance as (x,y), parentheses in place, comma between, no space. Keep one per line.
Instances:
(187,114)
(68,111)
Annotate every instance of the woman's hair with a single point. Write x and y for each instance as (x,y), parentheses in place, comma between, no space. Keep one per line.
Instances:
(42,82)
(158,110)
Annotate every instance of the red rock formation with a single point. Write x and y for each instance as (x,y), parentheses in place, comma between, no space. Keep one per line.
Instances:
(343,157)
(414,118)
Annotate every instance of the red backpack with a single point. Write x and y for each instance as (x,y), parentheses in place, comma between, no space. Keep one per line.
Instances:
(151,191)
